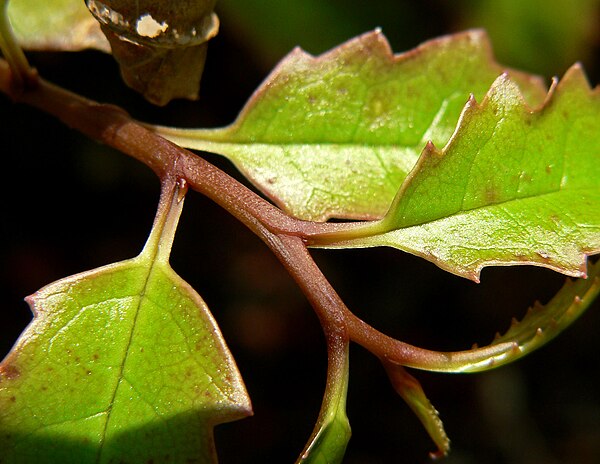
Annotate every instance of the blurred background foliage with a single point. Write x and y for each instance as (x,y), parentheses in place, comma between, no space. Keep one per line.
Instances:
(541,36)
(70,204)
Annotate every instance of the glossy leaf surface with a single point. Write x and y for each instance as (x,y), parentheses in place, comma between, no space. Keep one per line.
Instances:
(335,135)
(513,186)
(120,364)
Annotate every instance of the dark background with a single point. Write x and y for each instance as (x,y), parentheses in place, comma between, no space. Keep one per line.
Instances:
(70,204)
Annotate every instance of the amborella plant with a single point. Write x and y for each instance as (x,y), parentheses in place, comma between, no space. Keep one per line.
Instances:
(466,165)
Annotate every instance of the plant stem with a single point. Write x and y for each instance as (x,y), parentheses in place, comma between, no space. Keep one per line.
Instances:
(23,75)
(332,312)
(411,391)
(332,429)
(114,127)
(285,235)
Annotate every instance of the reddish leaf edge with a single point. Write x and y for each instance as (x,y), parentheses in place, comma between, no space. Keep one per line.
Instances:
(372,45)
(376,43)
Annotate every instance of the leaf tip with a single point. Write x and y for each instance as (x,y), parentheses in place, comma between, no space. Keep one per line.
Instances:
(504,93)
(370,43)
(430,148)
(31,302)
(577,74)
(438,454)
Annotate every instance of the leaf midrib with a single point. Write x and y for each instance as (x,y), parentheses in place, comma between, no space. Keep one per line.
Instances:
(459,212)
(277,144)
(141,260)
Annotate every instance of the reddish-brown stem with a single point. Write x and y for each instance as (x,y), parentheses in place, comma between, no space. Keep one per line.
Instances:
(113,126)
(333,314)
(285,235)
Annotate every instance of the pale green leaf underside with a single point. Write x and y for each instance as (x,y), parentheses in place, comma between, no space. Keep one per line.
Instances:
(120,364)
(60,25)
(513,186)
(335,135)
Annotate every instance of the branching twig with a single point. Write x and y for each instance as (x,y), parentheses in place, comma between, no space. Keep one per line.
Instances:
(285,235)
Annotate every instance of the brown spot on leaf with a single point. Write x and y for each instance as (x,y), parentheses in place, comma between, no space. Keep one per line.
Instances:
(9,372)
(526,177)
(549,169)
(13,399)
(490,194)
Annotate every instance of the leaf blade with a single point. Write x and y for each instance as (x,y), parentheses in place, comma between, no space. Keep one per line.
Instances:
(120,363)
(341,122)
(513,186)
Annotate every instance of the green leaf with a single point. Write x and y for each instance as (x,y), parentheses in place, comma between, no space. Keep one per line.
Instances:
(327,445)
(335,135)
(513,186)
(120,364)
(61,25)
